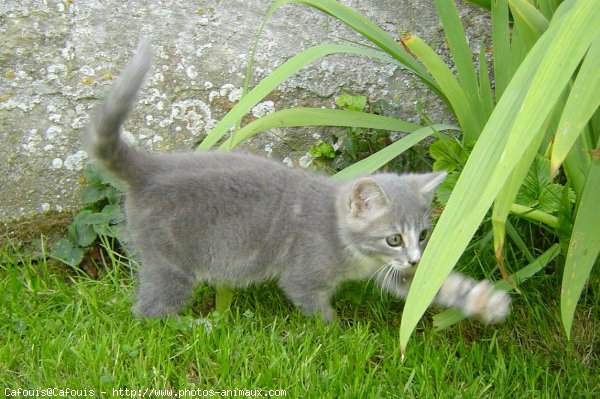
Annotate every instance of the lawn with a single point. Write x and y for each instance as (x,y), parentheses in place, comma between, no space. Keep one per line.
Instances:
(64,330)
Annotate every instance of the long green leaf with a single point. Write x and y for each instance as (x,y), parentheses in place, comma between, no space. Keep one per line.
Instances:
(577,162)
(503,203)
(547,7)
(532,22)
(463,61)
(501,43)
(505,198)
(275,78)
(516,238)
(223,298)
(381,157)
(535,215)
(523,108)
(528,25)
(581,105)
(331,117)
(457,97)
(368,30)
(295,117)
(485,85)
(487,4)
(583,247)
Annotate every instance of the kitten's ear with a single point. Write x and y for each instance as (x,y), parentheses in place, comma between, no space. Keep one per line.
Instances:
(425,183)
(366,197)
(428,182)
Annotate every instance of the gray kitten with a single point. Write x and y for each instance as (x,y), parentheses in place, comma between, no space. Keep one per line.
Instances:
(239,219)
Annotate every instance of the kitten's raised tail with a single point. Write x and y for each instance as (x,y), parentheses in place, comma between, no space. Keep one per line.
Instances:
(103,141)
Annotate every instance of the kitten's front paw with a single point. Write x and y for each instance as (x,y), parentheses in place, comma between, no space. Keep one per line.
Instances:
(488,302)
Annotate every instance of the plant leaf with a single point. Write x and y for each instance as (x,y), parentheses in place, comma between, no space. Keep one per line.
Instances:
(81,231)
(295,117)
(113,213)
(382,157)
(321,149)
(92,194)
(487,4)
(584,246)
(485,85)
(64,251)
(538,192)
(279,75)
(532,22)
(446,187)
(457,97)
(537,178)
(353,103)
(519,115)
(448,154)
(501,44)
(581,105)
(368,30)
(463,62)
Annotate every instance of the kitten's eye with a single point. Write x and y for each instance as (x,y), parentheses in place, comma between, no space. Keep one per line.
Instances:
(394,240)
(423,235)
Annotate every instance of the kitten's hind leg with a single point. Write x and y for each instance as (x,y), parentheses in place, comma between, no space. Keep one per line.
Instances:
(162,292)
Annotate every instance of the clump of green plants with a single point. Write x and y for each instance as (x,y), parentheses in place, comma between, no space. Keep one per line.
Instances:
(539,192)
(352,144)
(357,143)
(100,217)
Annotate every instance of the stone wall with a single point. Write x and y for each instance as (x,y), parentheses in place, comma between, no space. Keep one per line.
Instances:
(58,58)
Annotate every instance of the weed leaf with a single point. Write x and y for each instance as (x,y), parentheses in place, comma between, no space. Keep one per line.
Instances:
(66,252)
(92,194)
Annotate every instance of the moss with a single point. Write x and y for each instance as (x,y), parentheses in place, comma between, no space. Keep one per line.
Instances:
(25,229)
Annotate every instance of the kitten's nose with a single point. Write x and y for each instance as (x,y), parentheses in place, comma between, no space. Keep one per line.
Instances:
(413,256)
(414,259)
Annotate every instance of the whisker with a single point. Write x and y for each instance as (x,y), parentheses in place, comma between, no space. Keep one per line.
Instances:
(376,276)
(384,282)
(389,279)
(377,272)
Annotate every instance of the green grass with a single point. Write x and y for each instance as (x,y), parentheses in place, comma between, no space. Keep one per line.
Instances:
(60,328)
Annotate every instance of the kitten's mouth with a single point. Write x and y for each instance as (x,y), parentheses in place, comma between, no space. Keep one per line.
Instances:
(404,266)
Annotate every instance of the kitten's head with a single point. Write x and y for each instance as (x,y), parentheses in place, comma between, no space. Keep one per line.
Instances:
(386,217)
